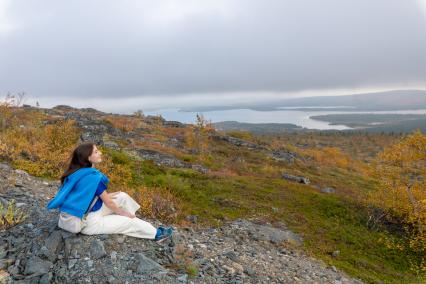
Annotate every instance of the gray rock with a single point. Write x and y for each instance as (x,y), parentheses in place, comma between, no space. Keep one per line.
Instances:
(13,270)
(73,247)
(111,144)
(328,190)
(183,278)
(97,249)
(200,168)
(154,119)
(113,256)
(3,252)
(268,233)
(162,159)
(5,167)
(21,172)
(3,202)
(36,265)
(249,271)
(238,142)
(192,218)
(72,263)
(298,179)
(335,253)
(284,156)
(231,255)
(171,123)
(145,264)
(5,263)
(46,278)
(54,242)
(121,239)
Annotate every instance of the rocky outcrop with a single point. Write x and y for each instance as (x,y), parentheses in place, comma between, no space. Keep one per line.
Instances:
(91,124)
(328,190)
(285,156)
(298,179)
(154,120)
(162,159)
(238,142)
(279,155)
(175,124)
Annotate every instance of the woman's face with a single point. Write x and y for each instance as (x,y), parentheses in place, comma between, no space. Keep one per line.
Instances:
(96,156)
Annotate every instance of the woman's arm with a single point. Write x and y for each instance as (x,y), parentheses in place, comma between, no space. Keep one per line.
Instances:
(111,205)
(112,194)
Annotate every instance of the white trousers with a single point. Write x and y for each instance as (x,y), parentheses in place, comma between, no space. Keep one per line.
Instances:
(105,221)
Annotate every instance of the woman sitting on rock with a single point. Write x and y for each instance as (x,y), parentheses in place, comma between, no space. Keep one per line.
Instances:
(85,206)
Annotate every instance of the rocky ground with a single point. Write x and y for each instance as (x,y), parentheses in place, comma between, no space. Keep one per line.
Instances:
(243,251)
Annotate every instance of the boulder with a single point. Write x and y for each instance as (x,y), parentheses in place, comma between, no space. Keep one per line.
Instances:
(298,179)
(36,265)
(145,264)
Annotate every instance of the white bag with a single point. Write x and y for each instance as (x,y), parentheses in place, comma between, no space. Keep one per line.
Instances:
(72,223)
(69,223)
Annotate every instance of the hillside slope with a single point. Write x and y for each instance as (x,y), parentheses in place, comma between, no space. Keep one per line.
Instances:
(241,203)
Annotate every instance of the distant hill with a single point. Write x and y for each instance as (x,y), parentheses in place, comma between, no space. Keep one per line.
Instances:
(377,122)
(391,100)
(259,128)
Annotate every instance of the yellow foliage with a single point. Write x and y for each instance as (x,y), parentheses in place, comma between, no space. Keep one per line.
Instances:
(41,151)
(189,137)
(198,136)
(125,123)
(329,156)
(401,172)
(156,202)
(11,215)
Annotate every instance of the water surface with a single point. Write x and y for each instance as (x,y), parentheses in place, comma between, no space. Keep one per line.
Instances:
(300,118)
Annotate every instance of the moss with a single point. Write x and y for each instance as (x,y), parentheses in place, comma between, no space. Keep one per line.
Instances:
(192,270)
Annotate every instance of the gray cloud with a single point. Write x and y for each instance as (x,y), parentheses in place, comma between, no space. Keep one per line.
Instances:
(122,49)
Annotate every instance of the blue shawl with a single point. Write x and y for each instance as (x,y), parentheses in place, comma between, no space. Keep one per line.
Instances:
(77,191)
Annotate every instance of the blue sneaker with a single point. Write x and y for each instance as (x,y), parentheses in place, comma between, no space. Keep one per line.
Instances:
(165,233)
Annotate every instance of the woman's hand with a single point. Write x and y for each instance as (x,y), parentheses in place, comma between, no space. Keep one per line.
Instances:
(106,198)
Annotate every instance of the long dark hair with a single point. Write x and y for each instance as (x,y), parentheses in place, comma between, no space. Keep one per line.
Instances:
(79,159)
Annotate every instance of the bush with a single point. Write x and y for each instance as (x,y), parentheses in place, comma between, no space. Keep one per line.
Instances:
(158,203)
(401,172)
(41,151)
(10,216)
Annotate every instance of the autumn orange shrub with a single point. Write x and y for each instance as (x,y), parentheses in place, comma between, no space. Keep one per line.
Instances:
(9,107)
(39,150)
(401,172)
(158,203)
(198,136)
(125,123)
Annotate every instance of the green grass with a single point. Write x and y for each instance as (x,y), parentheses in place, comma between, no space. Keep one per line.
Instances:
(326,222)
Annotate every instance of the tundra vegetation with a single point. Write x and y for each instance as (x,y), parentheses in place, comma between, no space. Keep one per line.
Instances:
(375,216)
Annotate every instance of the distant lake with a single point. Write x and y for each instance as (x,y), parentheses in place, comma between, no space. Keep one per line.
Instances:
(300,118)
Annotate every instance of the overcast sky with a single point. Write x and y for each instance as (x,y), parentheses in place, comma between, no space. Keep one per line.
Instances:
(127,55)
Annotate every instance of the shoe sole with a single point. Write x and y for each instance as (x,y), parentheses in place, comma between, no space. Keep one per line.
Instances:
(162,240)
